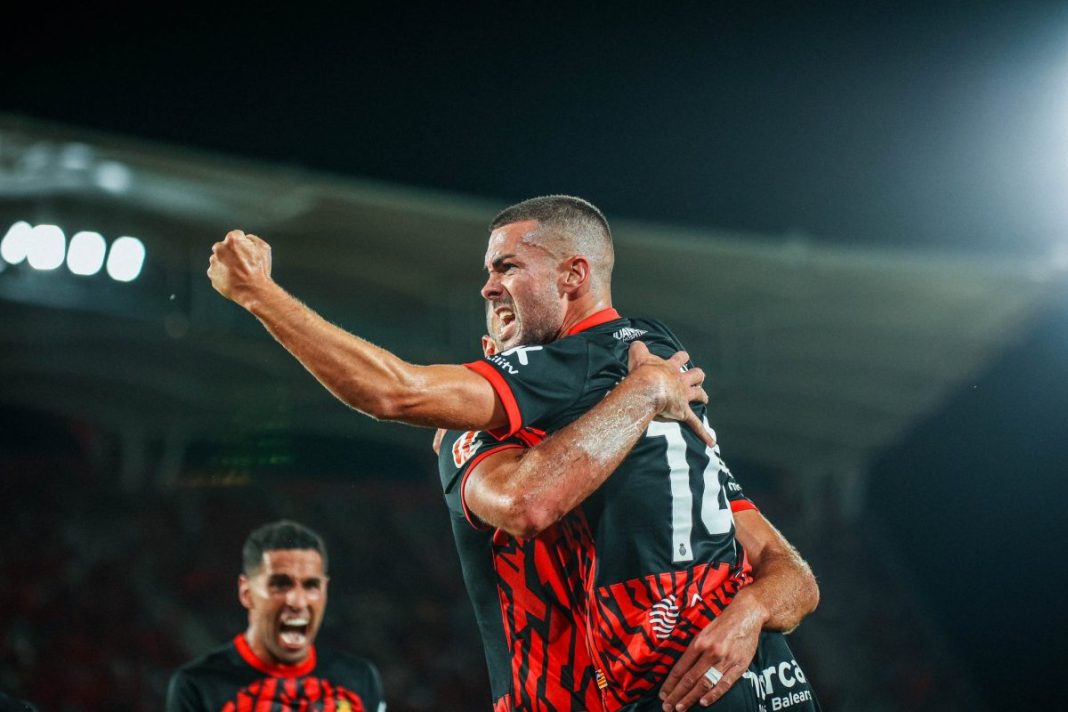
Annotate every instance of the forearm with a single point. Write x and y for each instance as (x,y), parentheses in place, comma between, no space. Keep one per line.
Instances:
(550,480)
(783,591)
(364,376)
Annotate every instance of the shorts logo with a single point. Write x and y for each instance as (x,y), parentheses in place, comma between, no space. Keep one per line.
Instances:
(464,448)
(663,616)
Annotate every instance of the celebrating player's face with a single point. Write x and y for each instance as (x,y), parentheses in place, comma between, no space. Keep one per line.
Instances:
(523,286)
(285,599)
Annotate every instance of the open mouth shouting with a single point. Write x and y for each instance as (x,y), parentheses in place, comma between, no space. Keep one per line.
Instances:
(293,632)
(506,323)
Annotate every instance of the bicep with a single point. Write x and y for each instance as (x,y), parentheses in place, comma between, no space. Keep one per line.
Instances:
(452,397)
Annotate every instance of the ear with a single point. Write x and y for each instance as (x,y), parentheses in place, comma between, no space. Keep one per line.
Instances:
(577,275)
(244,591)
(488,347)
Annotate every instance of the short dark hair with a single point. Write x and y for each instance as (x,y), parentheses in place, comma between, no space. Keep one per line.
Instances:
(564,211)
(283,534)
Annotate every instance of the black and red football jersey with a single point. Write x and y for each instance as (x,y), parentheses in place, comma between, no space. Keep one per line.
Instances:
(232,679)
(663,560)
(525,595)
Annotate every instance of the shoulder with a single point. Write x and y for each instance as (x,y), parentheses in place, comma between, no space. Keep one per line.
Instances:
(344,660)
(198,680)
(352,671)
(220,657)
(459,449)
(655,330)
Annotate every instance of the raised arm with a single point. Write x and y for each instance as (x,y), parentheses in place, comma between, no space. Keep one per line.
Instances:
(782,593)
(525,491)
(360,374)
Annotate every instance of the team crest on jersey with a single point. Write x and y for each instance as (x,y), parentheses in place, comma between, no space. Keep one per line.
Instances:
(663,616)
(628,333)
(464,447)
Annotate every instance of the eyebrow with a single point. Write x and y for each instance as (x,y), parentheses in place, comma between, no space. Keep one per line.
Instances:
(496,264)
(286,578)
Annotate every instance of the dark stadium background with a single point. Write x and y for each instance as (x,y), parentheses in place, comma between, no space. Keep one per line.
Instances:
(916,124)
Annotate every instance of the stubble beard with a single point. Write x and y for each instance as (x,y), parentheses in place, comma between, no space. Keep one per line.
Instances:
(541,321)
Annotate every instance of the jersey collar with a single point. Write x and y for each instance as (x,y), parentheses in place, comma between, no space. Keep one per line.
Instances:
(274,669)
(595,319)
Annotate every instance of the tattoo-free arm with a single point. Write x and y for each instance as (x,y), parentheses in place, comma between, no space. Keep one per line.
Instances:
(525,491)
(360,374)
(783,592)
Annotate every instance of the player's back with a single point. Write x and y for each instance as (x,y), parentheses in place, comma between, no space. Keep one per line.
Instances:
(667,558)
(664,560)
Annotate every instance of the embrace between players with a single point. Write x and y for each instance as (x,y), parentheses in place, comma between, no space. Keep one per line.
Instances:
(612,560)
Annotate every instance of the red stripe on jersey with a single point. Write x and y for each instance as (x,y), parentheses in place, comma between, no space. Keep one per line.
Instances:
(274,669)
(742,505)
(470,516)
(531,436)
(244,702)
(596,319)
(312,689)
(542,611)
(501,704)
(504,392)
(330,701)
(640,628)
(265,696)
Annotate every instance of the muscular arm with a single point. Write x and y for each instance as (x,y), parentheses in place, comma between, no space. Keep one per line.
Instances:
(360,374)
(784,590)
(782,593)
(526,491)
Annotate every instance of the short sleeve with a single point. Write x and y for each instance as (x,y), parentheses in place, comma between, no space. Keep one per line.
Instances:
(536,382)
(460,453)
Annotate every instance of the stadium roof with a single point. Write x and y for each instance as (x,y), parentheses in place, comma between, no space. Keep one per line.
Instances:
(818,356)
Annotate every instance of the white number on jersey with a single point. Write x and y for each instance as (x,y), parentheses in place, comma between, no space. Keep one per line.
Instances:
(717,519)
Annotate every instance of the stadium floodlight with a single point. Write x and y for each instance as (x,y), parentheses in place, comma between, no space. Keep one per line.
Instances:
(125,259)
(112,176)
(47,247)
(85,255)
(15,243)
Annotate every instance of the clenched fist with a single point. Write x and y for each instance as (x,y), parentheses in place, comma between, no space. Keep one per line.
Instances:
(239,266)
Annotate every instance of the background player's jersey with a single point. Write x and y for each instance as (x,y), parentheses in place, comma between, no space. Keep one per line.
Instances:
(233,679)
(525,596)
(666,559)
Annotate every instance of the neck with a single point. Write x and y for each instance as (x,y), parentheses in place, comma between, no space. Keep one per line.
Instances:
(257,645)
(581,309)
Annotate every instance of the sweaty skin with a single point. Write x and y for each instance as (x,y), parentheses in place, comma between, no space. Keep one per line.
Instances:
(539,289)
(521,492)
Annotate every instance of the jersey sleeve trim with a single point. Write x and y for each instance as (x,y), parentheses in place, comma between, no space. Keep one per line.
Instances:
(274,670)
(504,392)
(470,516)
(741,505)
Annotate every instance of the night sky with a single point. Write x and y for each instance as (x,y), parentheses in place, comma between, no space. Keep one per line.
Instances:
(941,125)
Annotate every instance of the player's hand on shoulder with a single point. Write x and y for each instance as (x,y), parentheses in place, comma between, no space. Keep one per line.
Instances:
(678,386)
